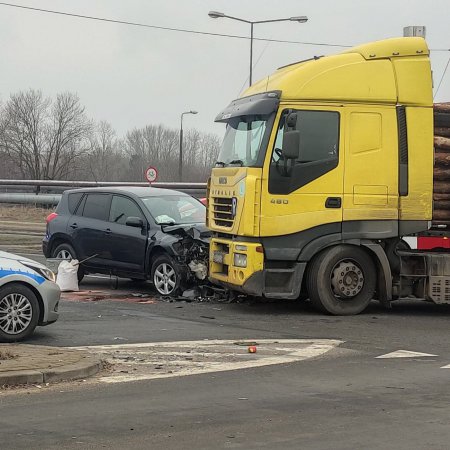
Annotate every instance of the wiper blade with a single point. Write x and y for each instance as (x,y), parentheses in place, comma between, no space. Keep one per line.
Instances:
(220,163)
(237,161)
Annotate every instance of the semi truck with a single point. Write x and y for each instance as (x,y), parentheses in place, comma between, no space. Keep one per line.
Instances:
(325,167)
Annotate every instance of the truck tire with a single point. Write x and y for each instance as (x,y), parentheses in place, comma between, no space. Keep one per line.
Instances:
(19,312)
(341,280)
(66,251)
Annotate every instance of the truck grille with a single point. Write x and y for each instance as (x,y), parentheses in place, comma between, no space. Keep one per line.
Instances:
(222,209)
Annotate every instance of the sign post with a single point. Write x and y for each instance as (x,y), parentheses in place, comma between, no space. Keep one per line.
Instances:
(151,174)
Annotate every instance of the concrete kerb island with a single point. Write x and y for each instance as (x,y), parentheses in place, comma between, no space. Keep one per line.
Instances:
(31,364)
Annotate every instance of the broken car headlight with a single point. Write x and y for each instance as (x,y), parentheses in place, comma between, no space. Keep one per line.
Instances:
(240,260)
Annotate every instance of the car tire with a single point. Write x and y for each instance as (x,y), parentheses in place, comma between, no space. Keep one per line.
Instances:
(165,275)
(341,280)
(19,312)
(66,251)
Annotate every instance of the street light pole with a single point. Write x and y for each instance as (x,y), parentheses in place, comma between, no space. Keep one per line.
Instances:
(251,55)
(219,15)
(180,160)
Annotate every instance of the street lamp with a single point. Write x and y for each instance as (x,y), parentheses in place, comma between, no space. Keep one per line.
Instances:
(219,15)
(180,162)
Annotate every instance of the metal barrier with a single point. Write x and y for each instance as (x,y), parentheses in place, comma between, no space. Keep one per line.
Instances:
(48,192)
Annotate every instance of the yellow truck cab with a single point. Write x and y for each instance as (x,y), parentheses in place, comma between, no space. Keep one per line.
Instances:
(324,166)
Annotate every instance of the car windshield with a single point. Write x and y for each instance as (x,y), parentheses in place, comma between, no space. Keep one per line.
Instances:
(175,209)
(242,142)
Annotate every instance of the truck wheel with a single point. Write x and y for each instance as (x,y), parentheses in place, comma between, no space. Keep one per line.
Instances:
(66,251)
(165,275)
(341,280)
(19,312)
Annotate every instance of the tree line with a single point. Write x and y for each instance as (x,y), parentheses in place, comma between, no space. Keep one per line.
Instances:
(54,139)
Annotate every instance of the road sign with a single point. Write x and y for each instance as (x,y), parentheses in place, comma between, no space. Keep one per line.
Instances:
(151,174)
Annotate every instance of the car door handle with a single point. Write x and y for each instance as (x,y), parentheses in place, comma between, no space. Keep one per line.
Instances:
(74,226)
(333,202)
(108,231)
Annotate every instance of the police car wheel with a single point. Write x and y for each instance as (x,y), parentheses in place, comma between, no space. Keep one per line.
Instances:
(19,312)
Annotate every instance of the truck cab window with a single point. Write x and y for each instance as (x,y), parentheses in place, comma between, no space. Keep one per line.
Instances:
(317,152)
(243,141)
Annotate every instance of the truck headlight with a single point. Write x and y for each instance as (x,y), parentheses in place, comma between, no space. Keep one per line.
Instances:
(240,260)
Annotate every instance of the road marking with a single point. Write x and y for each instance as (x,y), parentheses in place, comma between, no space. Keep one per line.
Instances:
(446,367)
(145,361)
(405,354)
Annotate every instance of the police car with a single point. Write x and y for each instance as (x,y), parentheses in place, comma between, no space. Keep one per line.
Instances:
(29,297)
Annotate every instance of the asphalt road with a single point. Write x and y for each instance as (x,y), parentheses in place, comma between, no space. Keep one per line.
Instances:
(345,399)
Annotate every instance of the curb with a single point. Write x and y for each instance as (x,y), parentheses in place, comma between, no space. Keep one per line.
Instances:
(87,367)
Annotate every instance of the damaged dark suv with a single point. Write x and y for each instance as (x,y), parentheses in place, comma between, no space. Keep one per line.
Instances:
(132,232)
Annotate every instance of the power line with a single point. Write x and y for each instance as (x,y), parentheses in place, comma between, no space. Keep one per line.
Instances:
(181,30)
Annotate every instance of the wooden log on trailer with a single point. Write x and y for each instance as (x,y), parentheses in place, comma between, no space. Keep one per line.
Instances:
(442,174)
(442,107)
(441,214)
(442,131)
(442,142)
(442,158)
(441,197)
(441,187)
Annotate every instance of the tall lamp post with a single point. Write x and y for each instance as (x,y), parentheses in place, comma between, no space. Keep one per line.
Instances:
(180,162)
(218,15)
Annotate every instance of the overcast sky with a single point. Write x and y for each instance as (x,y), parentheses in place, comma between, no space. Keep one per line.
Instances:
(133,76)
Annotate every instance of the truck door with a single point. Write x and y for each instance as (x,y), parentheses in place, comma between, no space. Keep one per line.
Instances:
(302,193)
(371,172)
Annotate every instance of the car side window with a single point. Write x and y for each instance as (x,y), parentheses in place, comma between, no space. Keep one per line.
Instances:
(80,208)
(73,200)
(97,206)
(122,208)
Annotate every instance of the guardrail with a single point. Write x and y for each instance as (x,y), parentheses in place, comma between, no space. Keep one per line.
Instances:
(48,192)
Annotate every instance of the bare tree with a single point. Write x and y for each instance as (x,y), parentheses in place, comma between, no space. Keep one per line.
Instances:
(104,161)
(44,139)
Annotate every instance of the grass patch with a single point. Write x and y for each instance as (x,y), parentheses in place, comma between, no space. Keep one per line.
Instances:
(24,213)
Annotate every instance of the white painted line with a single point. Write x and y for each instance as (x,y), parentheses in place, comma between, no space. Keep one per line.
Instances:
(405,354)
(446,367)
(145,361)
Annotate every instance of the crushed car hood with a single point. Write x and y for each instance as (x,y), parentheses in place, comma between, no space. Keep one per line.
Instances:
(196,231)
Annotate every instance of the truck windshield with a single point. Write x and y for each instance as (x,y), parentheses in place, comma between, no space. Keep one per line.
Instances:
(242,142)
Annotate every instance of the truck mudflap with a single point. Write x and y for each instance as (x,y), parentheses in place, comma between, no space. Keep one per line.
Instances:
(278,283)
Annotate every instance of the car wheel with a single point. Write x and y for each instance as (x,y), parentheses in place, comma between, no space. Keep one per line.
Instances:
(67,252)
(341,280)
(19,312)
(165,275)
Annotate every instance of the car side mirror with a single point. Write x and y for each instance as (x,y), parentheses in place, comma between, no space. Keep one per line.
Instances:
(136,222)
(291,144)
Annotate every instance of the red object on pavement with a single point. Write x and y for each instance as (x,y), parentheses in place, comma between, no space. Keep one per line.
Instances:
(252,349)
(430,243)
(51,216)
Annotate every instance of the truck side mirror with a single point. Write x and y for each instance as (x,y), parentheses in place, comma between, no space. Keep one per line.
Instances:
(291,144)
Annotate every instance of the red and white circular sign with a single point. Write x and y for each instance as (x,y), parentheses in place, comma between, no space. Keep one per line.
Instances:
(151,174)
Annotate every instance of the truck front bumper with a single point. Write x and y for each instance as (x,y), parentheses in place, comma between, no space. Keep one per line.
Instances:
(259,278)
